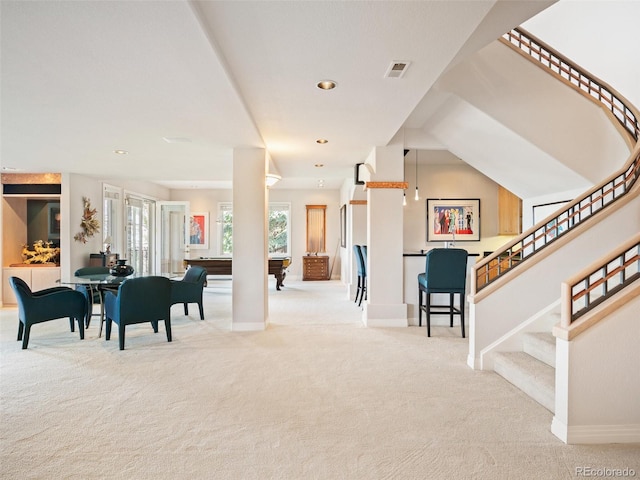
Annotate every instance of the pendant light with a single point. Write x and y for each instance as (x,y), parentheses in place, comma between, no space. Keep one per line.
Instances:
(404,177)
(417,197)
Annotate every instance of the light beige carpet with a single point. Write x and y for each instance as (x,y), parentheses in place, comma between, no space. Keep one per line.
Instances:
(315,396)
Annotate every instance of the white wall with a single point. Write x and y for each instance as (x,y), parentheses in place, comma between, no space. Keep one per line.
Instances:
(449,180)
(71,206)
(594,366)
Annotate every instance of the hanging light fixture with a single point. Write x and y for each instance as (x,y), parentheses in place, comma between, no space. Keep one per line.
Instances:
(417,197)
(404,176)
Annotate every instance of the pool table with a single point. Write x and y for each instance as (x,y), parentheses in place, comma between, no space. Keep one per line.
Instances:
(222,266)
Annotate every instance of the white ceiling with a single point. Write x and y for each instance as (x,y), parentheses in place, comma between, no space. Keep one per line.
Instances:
(82,79)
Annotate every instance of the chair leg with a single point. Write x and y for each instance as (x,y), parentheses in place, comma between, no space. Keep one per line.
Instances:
(81,327)
(107,333)
(462,314)
(186,309)
(358,289)
(121,335)
(167,326)
(201,310)
(71,324)
(419,307)
(428,314)
(451,309)
(154,325)
(20,330)
(25,337)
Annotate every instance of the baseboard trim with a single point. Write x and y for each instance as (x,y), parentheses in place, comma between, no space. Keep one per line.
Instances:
(248,326)
(596,434)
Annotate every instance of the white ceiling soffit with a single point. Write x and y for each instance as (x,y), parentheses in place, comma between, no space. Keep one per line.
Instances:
(82,79)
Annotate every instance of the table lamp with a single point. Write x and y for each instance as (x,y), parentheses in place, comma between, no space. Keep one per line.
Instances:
(107,244)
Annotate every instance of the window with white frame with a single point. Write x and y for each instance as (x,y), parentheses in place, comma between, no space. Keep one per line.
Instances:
(279,236)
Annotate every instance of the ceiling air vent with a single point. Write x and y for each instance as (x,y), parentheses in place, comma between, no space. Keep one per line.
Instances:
(397,69)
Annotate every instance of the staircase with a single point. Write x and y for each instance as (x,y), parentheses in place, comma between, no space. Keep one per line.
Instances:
(533,369)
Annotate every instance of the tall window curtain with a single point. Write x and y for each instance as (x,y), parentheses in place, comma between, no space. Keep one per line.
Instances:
(316,242)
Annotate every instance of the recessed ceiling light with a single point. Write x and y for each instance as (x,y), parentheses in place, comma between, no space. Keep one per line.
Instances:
(319,165)
(120,152)
(326,85)
(322,141)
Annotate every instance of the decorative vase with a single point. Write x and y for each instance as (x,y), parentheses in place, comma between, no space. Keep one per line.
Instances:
(121,269)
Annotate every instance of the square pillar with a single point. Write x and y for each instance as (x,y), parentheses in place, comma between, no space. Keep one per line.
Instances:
(250,308)
(385,305)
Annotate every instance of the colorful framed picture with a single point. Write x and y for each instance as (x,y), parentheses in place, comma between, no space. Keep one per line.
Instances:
(453,220)
(199,230)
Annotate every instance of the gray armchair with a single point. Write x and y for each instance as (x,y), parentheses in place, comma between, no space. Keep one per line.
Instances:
(190,288)
(45,305)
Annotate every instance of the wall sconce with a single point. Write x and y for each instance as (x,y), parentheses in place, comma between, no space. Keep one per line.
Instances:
(271,179)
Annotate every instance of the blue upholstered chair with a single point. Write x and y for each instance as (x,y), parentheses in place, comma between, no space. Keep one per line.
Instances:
(45,305)
(139,300)
(92,294)
(361,289)
(190,288)
(445,272)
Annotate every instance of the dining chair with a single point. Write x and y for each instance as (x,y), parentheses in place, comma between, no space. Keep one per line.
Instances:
(138,300)
(445,272)
(190,289)
(92,293)
(361,289)
(44,305)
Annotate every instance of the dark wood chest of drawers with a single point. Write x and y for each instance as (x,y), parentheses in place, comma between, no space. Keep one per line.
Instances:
(315,268)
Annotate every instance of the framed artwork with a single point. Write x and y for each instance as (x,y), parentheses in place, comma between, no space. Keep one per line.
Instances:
(199,230)
(343,226)
(53,223)
(456,219)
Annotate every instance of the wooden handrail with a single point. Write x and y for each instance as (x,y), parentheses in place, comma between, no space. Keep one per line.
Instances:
(550,229)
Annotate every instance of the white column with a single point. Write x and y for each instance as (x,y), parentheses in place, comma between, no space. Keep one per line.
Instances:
(385,305)
(250,309)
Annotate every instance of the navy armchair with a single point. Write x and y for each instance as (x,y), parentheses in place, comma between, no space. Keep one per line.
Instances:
(190,288)
(445,272)
(139,300)
(45,305)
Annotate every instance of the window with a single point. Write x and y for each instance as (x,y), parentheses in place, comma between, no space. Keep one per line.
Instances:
(111,216)
(140,229)
(316,224)
(279,228)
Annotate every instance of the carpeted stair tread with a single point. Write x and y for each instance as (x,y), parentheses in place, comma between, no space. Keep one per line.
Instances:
(533,377)
(542,346)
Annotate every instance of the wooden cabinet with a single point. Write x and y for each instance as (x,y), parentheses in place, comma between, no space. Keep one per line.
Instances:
(102,259)
(315,268)
(509,213)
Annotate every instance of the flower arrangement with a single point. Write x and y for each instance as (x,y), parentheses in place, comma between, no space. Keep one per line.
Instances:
(89,224)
